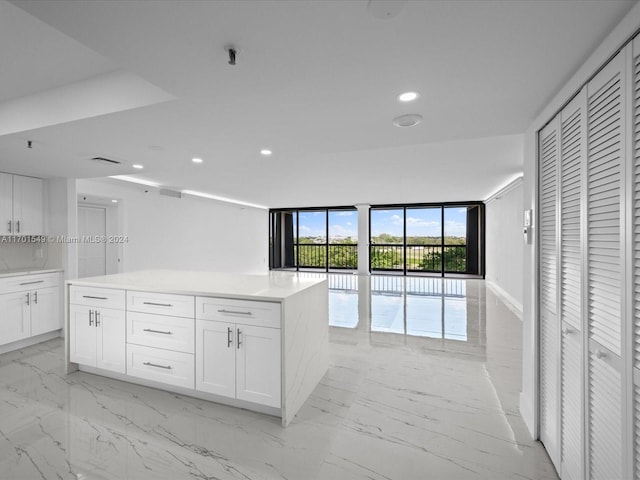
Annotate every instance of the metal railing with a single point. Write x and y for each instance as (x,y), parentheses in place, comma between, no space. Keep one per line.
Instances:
(314,255)
(419,258)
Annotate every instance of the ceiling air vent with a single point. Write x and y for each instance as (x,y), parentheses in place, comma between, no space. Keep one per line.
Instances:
(106,160)
(170,193)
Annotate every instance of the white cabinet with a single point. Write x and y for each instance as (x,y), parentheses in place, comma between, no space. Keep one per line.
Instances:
(258,365)
(239,360)
(216,358)
(30,306)
(97,334)
(97,337)
(21,205)
(16,317)
(45,308)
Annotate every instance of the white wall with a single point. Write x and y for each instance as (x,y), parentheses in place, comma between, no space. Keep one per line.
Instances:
(190,233)
(504,241)
(616,39)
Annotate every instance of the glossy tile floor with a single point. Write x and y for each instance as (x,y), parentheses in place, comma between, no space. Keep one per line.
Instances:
(423,384)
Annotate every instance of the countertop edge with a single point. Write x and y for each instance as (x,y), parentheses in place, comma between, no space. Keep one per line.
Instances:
(201,293)
(31,271)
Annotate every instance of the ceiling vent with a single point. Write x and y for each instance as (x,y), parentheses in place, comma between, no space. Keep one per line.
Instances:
(106,160)
(170,193)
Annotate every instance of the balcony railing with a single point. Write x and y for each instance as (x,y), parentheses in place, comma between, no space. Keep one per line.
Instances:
(314,255)
(419,258)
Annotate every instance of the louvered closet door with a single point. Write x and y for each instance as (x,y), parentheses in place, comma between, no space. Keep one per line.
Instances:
(572,159)
(635,211)
(549,325)
(605,156)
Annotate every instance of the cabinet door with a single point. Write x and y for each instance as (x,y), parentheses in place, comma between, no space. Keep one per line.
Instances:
(111,340)
(15,312)
(258,365)
(82,336)
(28,205)
(6,204)
(45,310)
(216,358)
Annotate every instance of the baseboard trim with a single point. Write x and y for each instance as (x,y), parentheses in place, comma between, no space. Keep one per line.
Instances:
(511,302)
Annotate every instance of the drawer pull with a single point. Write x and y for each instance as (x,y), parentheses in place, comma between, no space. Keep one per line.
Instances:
(166,367)
(229,337)
(158,304)
(31,283)
(234,311)
(156,331)
(95,298)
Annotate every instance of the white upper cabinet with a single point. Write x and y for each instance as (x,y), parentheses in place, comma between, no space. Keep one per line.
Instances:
(21,205)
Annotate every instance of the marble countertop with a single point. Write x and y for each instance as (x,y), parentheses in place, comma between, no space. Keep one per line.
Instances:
(273,286)
(14,272)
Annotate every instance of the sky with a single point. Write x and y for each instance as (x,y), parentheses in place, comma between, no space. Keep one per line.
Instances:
(420,222)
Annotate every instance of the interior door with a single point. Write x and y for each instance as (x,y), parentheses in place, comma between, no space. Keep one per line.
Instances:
(605,268)
(92,230)
(549,325)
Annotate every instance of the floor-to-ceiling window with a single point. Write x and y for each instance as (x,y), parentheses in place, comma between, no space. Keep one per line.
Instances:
(440,239)
(322,239)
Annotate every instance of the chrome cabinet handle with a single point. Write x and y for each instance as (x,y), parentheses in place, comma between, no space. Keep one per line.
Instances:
(234,311)
(156,331)
(567,330)
(95,298)
(35,297)
(28,299)
(91,318)
(600,353)
(97,318)
(239,341)
(158,304)
(18,226)
(166,367)
(31,283)
(229,337)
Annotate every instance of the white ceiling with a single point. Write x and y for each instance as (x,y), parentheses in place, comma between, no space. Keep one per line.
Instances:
(315,81)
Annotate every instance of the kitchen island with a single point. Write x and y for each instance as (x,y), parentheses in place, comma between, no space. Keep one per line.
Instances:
(258,342)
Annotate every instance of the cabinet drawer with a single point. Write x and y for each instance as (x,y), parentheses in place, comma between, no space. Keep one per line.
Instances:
(160,303)
(174,368)
(262,314)
(161,331)
(28,282)
(97,297)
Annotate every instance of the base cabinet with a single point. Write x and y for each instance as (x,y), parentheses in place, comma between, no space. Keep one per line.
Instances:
(239,361)
(97,337)
(45,306)
(30,306)
(16,324)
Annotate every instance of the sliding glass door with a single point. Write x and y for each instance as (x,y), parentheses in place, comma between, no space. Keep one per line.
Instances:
(314,239)
(427,239)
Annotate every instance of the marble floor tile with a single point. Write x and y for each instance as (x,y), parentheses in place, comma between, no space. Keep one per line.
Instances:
(423,384)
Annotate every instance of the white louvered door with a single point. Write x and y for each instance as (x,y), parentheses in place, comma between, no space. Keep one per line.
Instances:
(605,157)
(549,325)
(572,159)
(634,185)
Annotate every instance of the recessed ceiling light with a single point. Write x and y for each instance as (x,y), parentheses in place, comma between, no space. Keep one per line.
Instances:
(410,120)
(138,166)
(114,201)
(408,96)
(196,160)
(266,152)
